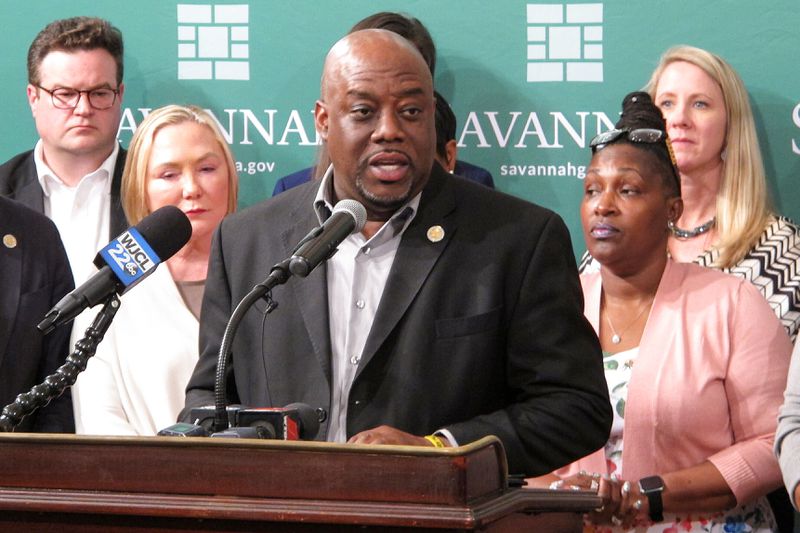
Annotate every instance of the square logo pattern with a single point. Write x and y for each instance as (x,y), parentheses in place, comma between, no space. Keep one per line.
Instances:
(213,42)
(565,42)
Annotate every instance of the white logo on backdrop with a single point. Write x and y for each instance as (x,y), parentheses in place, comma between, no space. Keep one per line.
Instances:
(565,42)
(213,42)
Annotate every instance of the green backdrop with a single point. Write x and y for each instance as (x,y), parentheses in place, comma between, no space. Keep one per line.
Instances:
(530,81)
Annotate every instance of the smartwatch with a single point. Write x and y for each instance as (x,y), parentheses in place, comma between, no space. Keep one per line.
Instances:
(652,487)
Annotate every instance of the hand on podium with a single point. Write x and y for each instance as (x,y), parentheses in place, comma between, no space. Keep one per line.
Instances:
(390,435)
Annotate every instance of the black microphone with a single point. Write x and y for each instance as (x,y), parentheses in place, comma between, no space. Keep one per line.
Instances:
(296,421)
(124,262)
(348,216)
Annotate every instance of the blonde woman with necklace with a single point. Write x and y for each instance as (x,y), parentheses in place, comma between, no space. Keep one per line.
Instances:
(695,360)
(727,222)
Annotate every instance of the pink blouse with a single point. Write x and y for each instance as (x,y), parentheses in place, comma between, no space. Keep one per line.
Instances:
(707,384)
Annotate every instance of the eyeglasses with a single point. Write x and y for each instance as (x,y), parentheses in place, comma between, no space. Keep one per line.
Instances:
(640,135)
(67,98)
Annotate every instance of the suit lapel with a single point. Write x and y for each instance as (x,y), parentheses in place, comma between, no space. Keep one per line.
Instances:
(10,283)
(416,256)
(117,221)
(311,292)
(30,191)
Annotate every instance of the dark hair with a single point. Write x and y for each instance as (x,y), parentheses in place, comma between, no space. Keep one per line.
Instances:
(639,111)
(77,33)
(405,26)
(445,124)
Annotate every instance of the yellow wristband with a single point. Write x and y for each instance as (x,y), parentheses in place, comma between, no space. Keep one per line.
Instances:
(436,441)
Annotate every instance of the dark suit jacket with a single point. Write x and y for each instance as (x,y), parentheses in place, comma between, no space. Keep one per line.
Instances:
(18,181)
(481,333)
(34,275)
(463,169)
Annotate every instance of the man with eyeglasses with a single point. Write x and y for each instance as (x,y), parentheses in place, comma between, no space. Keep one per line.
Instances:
(73,174)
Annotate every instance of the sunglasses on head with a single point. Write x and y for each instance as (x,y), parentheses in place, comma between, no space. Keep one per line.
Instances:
(639,135)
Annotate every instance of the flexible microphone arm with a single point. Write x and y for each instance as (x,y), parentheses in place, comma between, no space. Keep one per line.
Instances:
(315,248)
(279,274)
(65,376)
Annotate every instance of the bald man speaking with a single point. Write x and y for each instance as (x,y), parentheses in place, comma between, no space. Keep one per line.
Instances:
(454,314)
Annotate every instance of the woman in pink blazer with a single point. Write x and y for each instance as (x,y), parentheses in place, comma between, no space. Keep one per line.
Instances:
(695,360)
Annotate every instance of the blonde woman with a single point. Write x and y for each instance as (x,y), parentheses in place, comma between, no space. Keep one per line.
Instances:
(135,383)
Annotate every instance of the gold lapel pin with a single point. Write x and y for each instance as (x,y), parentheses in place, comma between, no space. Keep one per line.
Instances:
(435,233)
(9,241)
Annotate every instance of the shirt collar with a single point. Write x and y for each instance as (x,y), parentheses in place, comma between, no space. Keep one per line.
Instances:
(47,178)
(396,225)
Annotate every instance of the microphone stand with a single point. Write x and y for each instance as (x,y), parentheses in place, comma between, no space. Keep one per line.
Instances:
(65,376)
(278,275)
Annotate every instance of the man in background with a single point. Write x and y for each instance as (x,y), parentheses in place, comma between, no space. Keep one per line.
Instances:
(412,29)
(73,173)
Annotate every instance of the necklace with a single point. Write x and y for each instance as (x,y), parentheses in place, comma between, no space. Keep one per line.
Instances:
(691,233)
(616,338)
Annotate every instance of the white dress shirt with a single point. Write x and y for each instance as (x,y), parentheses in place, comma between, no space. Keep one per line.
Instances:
(357,275)
(82,213)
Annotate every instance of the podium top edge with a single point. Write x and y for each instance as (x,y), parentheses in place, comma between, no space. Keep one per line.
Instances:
(203,442)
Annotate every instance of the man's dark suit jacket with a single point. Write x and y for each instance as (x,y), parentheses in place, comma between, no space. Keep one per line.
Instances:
(34,275)
(481,333)
(19,181)
(462,168)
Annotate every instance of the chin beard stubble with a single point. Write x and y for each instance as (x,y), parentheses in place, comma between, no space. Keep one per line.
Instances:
(384,202)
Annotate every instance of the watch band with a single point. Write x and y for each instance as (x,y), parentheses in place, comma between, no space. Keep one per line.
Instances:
(652,487)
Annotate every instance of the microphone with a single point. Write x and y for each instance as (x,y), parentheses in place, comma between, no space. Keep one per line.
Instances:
(296,421)
(124,262)
(348,216)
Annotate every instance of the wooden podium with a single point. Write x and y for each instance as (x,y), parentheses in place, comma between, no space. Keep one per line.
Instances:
(71,483)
